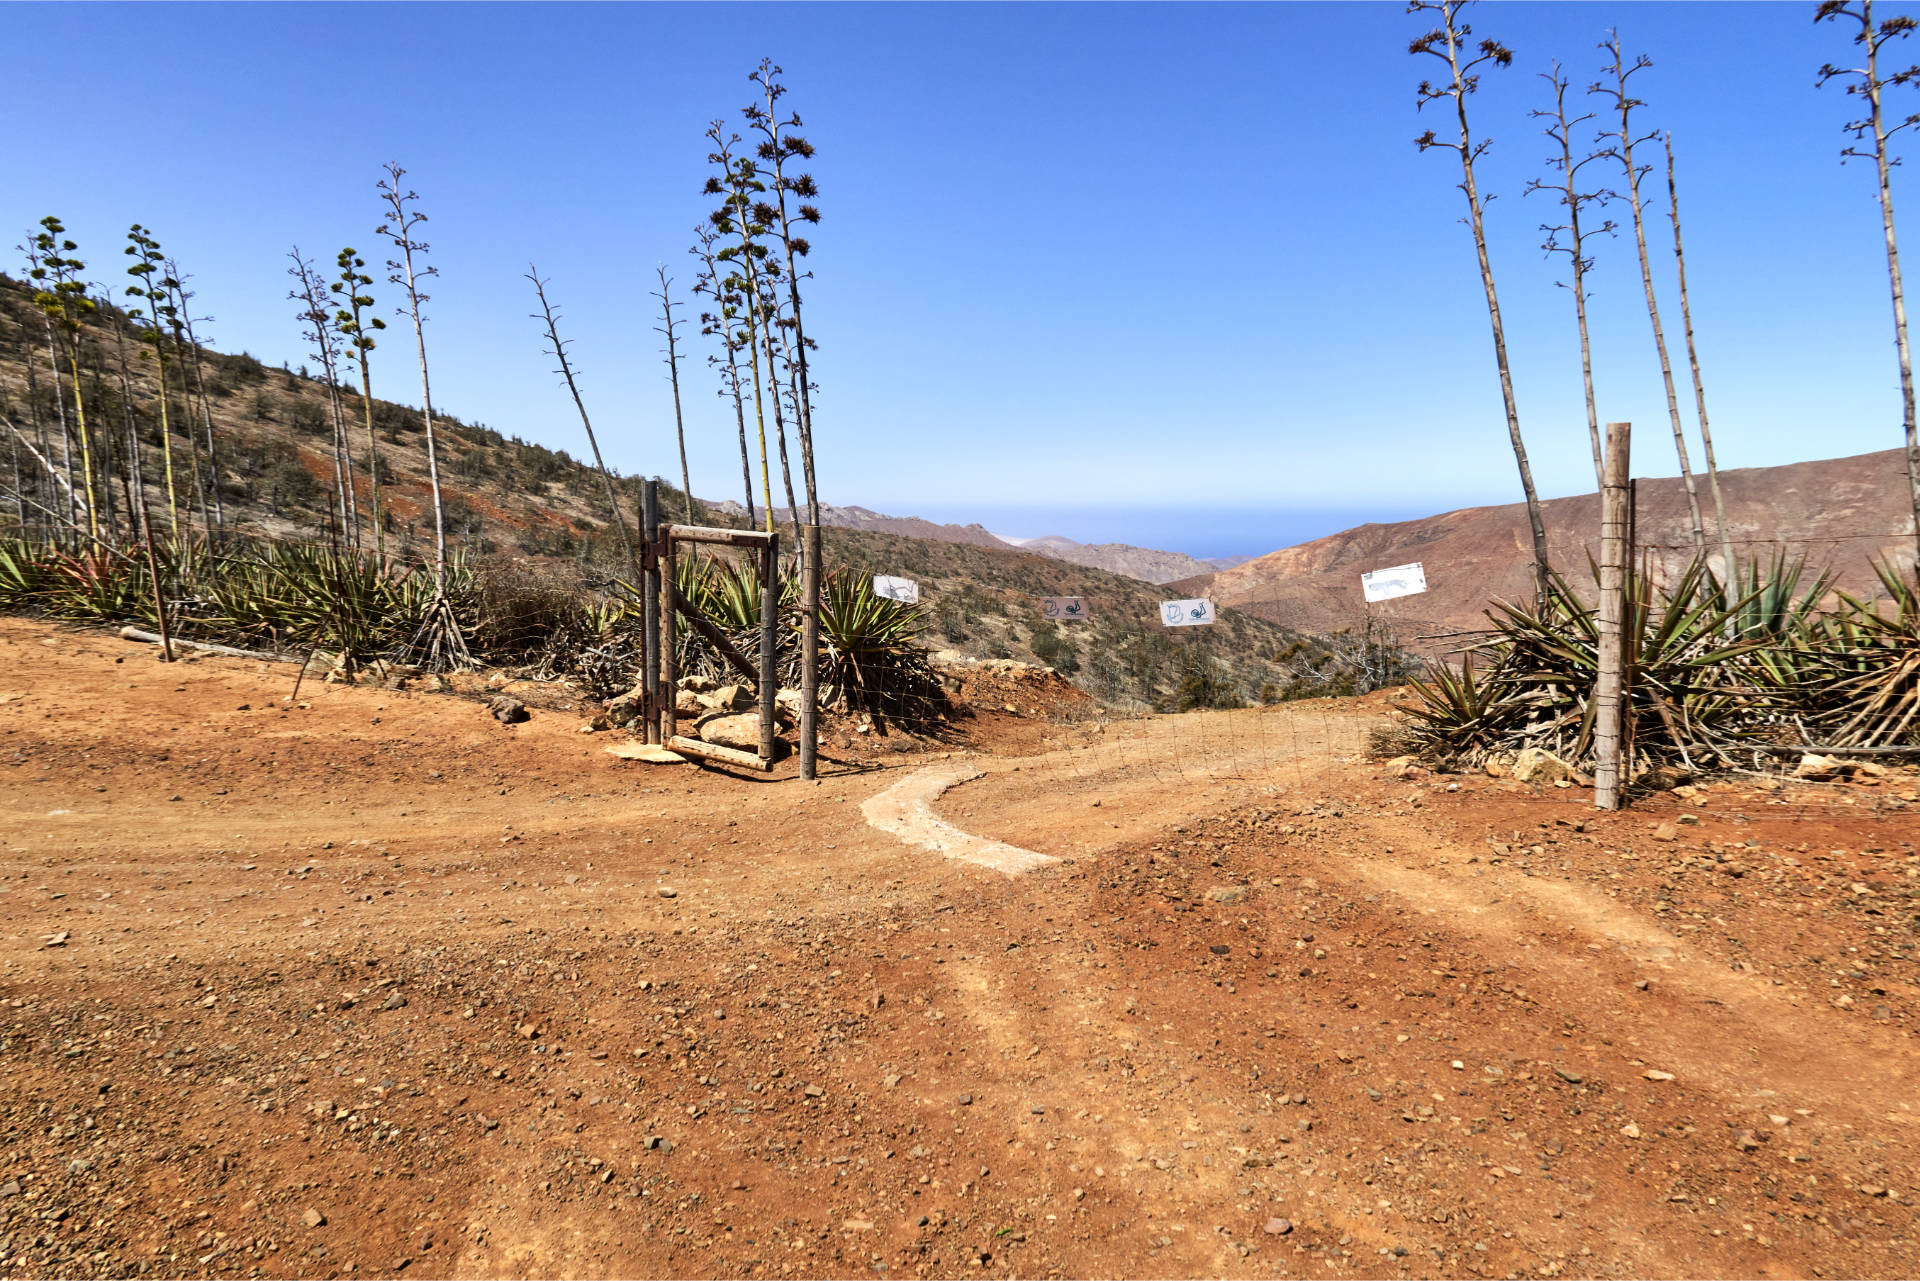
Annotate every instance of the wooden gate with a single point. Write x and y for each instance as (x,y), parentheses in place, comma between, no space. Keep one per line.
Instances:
(662,602)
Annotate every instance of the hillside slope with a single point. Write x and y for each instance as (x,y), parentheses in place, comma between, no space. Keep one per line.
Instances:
(1840,512)
(510,498)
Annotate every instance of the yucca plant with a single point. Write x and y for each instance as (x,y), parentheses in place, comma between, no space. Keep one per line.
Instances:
(25,573)
(1866,681)
(872,663)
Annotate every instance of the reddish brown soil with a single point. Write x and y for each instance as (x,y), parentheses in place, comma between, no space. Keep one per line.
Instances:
(382,962)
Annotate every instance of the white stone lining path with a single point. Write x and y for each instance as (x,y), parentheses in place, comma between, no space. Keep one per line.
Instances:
(906,810)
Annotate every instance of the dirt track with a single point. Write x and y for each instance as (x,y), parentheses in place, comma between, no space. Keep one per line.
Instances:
(379,961)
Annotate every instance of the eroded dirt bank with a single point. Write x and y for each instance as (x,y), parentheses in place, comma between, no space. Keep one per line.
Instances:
(377,983)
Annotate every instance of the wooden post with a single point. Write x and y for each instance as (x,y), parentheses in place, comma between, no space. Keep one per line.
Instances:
(769,643)
(669,681)
(650,608)
(810,654)
(159,597)
(1609,688)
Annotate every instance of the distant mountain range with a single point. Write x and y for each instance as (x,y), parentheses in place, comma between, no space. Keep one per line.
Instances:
(1143,563)
(1840,512)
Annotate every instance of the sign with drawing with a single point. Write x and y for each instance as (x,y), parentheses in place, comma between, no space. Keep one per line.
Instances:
(1186,613)
(1401,580)
(1063,608)
(904,590)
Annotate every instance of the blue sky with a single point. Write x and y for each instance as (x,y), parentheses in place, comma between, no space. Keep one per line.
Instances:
(1088,269)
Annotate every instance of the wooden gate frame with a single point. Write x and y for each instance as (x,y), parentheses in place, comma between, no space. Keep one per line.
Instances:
(662,598)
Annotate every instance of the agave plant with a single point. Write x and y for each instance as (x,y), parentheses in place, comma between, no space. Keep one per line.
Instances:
(25,573)
(869,659)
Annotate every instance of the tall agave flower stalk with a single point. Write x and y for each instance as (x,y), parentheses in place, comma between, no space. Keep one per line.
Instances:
(63,299)
(1570,238)
(1872,134)
(356,329)
(1621,149)
(440,640)
(312,296)
(153,314)
(720,323)
(779,147)
(1450,42)
(739,184)
(668,328)
(214,510)
(557,348)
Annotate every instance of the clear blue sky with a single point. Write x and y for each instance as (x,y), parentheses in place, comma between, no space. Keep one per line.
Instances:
(1084,268)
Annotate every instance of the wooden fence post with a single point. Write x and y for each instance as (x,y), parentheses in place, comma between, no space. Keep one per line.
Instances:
(665,559)
(1609,688)
(810,654)
(769,644)
(650,609)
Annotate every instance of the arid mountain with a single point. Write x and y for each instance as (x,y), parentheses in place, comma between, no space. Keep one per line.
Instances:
(1839,512)
(862,518)
(1143,563)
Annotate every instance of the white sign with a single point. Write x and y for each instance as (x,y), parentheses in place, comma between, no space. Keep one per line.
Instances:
(1401,580)
(1063,607)
(1186,613)
(904,590)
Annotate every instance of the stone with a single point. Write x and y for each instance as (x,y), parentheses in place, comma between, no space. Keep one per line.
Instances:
(789,701)
(1666,832)
(1496,768)
(1571,1078)
(728,698)
(1536,765)
(1819,769)
(1664,778)
(394,1001)
(687,703)
(507,710)
(741,731)
(1655,1074)
(1630,1130)
(1277,1227)
(696,684)
(1747,1141)
(667,891)
(624,708)
(312,1217)
(1227,894)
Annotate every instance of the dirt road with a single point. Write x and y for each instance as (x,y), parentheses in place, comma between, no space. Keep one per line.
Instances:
(370,983)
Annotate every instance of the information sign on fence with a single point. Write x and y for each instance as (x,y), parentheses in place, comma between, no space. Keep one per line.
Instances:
(1186,613)
(1063,607)
(1401,580)
(904,590)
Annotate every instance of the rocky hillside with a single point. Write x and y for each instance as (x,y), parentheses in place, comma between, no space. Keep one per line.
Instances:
(511,498)
(1839,512)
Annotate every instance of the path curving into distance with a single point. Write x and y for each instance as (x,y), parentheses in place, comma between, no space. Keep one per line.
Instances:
(905,810)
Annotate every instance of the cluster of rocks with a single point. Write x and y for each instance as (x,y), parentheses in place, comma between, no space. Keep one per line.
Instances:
(726,715)
(1837,769)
